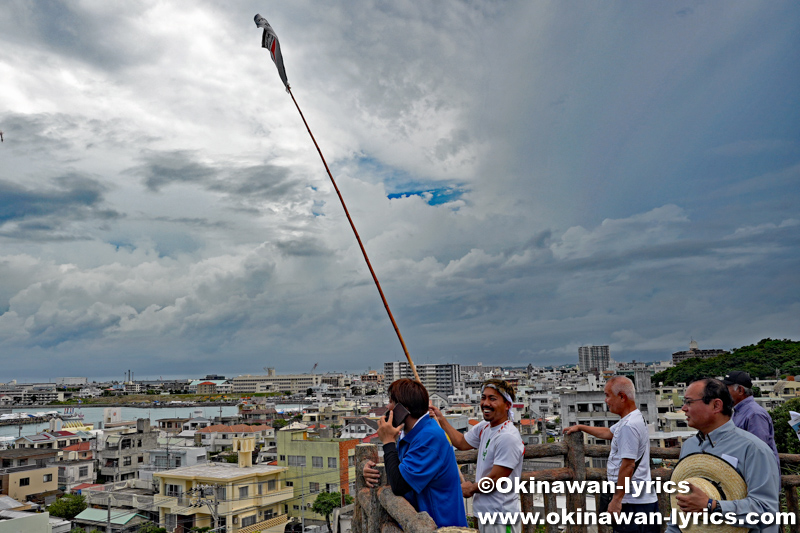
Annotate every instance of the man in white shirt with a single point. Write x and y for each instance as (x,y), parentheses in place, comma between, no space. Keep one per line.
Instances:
(500,453)
(630,454)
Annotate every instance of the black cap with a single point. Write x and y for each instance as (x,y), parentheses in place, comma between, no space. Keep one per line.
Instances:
(738,377)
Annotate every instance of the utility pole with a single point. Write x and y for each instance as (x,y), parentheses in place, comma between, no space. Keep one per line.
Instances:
(108,515)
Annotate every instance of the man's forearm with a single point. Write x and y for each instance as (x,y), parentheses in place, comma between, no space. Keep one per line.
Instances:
(626,471)
(456,437)
(598,432)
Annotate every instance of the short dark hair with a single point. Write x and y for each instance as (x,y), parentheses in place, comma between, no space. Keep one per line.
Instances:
(502,386)
(715,389)
(411,394)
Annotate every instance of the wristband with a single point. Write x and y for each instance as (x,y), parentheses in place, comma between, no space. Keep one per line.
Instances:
(710,504)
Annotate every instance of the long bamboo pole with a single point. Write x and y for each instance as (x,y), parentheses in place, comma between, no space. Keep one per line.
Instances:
(360,244)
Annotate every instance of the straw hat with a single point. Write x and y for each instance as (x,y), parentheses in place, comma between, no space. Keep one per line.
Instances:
(715,477)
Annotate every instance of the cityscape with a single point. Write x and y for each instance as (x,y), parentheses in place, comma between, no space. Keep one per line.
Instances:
(254,452)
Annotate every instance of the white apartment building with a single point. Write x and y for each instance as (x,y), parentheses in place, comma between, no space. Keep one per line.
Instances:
(593,358)
(440,378)
(293,383)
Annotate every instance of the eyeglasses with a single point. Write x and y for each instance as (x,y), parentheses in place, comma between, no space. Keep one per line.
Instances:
(690,401)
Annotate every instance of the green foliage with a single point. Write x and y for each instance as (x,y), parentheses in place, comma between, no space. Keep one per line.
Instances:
(279,423)
(785,439)
(77,530)
(232,458)
(760,360)
(326,502)
(150,527)
(68,506)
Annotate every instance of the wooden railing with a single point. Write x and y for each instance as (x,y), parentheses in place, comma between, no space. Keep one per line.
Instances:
(379,510)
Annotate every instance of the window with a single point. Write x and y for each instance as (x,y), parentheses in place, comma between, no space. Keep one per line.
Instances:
(172,521)
(331,487)
(260,488)
(271,485)
(83,471)
(48,478)
(282,458)
(313,488)
(296,507)
(249,520)
(24,481)
(331,462)
(243,492)
(22,462)
(316,462)
(126,461)
(173,490)
(140,459)
(297,460)
(351,460)
(290,483)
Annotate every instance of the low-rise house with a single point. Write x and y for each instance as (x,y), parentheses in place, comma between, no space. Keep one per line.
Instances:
(245,496)
(48,440)
(120,453)
(358,428)
(207,387)
(171,425)
(121,520)
(78,452)
(26,474)
(218,437)
(30,522)
(315,465)
(74,473)
(195,423)
(166,458)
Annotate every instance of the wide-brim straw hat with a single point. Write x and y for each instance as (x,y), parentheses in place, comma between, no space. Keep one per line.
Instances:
(715,477)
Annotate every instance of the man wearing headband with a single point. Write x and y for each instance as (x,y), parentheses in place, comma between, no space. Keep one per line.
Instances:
(630,454)
(500,453)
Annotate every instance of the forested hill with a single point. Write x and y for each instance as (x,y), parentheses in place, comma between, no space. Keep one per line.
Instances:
(760,360)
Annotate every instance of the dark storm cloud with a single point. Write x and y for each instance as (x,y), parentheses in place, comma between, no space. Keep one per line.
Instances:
(36,212)
(267,182)
(95,34)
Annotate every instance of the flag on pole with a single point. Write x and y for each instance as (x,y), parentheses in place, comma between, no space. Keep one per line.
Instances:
(270,41)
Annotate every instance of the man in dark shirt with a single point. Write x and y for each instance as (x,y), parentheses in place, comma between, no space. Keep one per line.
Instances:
(747,414)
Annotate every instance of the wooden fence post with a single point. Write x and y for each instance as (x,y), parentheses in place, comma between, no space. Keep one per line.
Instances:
(575,460)
(364,453)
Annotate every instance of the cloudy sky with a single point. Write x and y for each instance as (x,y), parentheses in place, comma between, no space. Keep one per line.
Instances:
(527,177)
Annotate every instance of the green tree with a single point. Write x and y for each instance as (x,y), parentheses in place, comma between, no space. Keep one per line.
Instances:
(68,506)
(150,527)
(326,502)
(785,438)
(761,360)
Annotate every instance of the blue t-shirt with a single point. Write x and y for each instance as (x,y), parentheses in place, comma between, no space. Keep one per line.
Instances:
(428,464)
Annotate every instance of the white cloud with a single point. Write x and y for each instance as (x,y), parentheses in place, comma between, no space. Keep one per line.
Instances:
(163,203)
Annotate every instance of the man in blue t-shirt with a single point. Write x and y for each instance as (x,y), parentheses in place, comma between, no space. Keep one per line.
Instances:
(421,465)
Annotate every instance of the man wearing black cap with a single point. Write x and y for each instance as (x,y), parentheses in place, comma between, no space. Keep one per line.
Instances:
(747,414)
